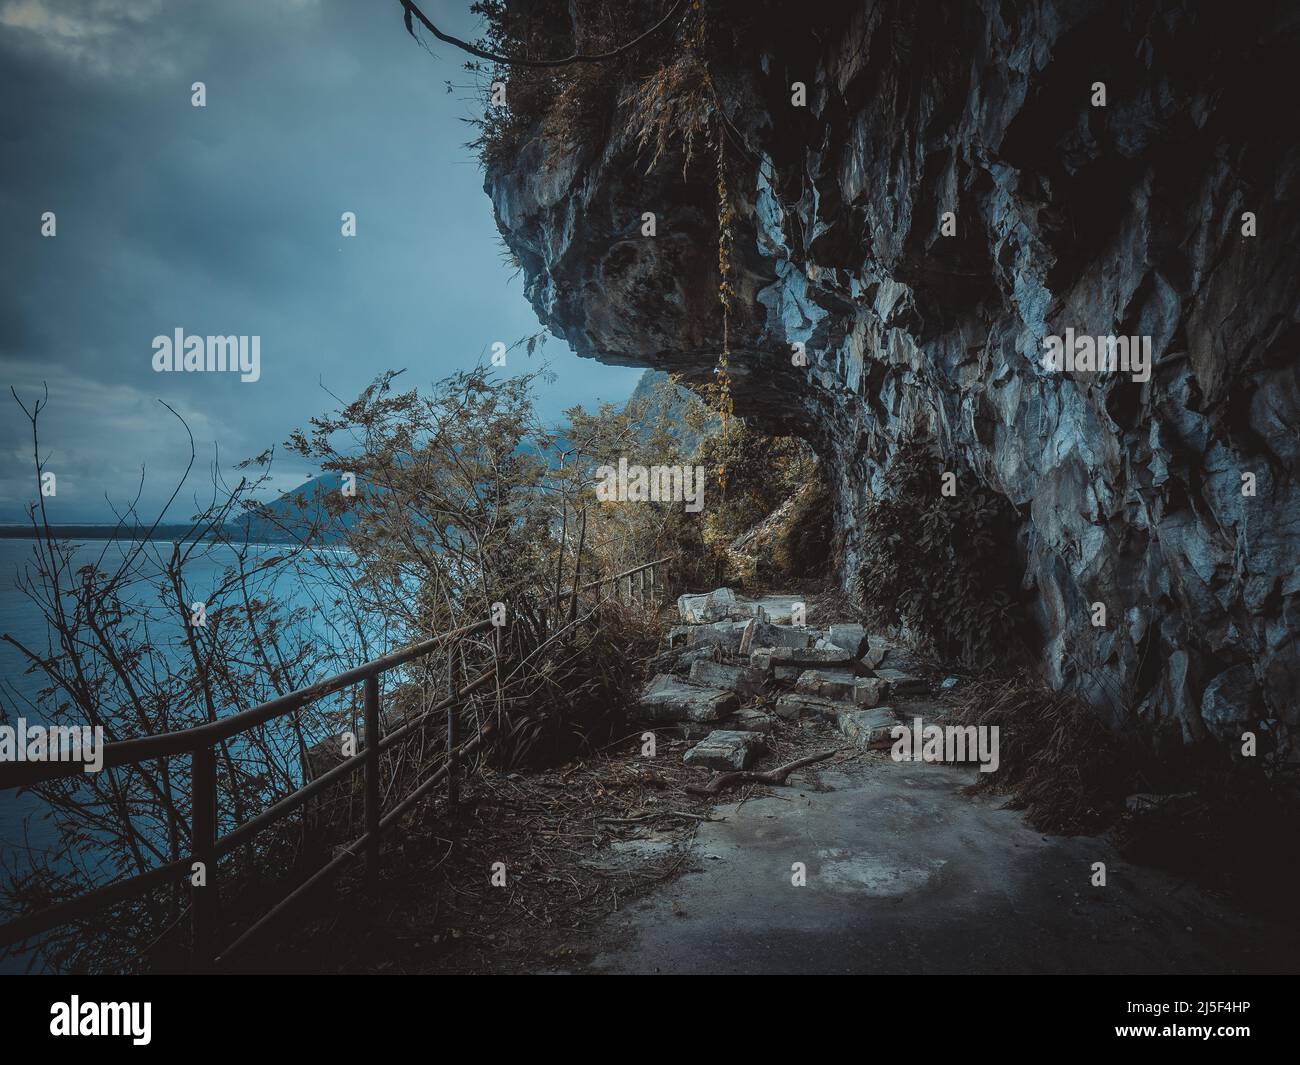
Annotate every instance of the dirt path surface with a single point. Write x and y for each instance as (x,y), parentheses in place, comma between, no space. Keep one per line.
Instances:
(905,873)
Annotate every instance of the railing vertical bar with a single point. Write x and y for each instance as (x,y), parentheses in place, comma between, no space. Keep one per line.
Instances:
(373,800)
(453,791)
(203,844)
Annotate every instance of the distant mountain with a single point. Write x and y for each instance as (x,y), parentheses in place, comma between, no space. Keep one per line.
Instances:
(293,513)
(283,520)
(665,400)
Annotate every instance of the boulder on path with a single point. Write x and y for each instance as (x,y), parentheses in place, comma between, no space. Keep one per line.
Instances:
(723,634)
(726,749)
(779,608)
(722,604)
(668,699)
(877,648)
(752,719)
(901,683)
(853,638)
(797,704)
(680,659)
(811,657)
(743,680)
(843,687)
(758,634)
(868,727)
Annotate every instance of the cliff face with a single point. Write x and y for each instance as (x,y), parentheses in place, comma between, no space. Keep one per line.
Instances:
(1123,219)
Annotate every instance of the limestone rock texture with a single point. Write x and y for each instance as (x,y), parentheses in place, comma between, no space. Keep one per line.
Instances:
(1123,219)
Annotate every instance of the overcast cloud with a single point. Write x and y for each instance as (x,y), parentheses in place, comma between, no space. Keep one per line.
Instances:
(225,220)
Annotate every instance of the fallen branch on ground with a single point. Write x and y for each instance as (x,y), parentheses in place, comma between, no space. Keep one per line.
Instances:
(744,776)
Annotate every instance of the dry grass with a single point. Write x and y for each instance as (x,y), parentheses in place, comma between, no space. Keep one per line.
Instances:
(1059,763)
(671,109)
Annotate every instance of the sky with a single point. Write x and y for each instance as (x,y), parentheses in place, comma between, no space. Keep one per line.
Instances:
(226,220)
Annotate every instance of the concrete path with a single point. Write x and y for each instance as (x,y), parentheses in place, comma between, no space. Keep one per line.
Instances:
(906,874)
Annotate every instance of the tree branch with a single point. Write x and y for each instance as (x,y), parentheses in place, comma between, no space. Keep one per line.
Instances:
(411,10)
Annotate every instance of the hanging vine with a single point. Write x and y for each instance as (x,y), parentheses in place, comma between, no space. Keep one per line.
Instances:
(726,295)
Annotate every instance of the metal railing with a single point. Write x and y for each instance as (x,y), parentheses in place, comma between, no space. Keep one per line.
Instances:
(200,744)
(648,585)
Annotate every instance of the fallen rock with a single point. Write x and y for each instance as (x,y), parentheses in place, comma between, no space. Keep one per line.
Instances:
(726,749)
(843,687)
(853,638)
(751,719)
(1149,802)
(723,634)
(722,604)
(875,653)
(745,681)
(867,728)
(679,660)
(671,699)
(811,657)
(764,634)
(709,652)
(901,683)
(779,608)
(796,704)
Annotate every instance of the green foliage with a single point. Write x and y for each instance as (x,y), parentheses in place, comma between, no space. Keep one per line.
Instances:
(943,566)
(762,472)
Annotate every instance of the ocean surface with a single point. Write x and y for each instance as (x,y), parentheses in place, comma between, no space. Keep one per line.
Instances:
(22,816)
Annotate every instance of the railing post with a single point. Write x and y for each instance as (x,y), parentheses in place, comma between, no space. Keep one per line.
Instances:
(371,687)
(203,845)
(453,789)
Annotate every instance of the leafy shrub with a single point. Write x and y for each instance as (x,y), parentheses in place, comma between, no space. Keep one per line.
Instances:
(941,565)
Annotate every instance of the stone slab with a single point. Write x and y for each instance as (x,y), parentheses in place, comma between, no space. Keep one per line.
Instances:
(867,727)
(745,681)
(901,683)
(669,699)
(726,749)
(797,704)
(843,686)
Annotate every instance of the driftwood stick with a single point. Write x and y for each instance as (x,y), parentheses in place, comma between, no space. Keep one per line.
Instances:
(744,776)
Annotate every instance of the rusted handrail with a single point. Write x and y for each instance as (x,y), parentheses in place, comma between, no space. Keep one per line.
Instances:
(205,845)
(626,573)
(208,847)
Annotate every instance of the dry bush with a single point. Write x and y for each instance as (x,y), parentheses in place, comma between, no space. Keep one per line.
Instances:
(572,684)
(1058,762)
(671,109)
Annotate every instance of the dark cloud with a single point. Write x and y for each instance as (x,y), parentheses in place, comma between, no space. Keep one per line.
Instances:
(226,220)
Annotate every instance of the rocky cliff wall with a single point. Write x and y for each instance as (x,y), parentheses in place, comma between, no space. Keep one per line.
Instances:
(1122,219)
